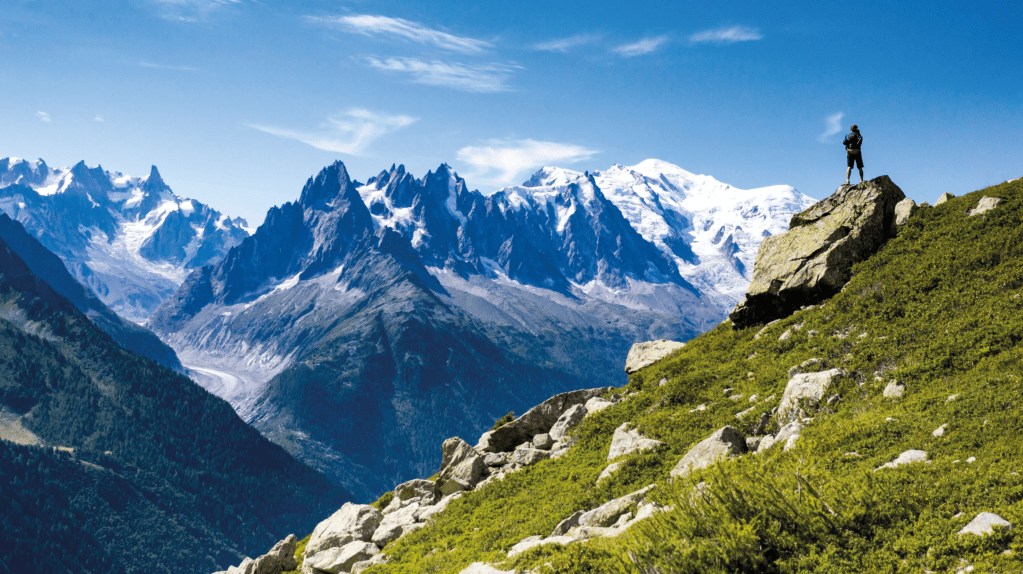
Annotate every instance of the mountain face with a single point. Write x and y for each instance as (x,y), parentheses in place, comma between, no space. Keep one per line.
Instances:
(48,267)
(364,323)
(131,240)
(125,465)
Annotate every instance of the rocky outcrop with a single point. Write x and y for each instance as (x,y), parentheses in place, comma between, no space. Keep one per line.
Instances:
(645,354)
(986,204)
(904,210)
(726,442)
(461,468)
(627,441)
(943,198)
(279,559)
(537,420)
(803,393)
(569,419)
(814,258)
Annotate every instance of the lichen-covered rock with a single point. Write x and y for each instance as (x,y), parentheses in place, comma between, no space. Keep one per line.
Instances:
(904,210)
(986,204)
(983,524)
(647,353)
(627,441)
(528,456)
(424,490)
(544,441)
(804,391)
(726,442)
(461,467)
(537,420)
(352,522)
(813,260)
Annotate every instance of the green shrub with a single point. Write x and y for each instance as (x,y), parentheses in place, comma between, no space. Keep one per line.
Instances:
(503,420)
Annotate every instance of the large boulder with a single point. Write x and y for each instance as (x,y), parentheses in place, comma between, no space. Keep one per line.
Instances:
(608,513)
(814,258)
(279,559)
(335,560)
(904,210)
(985,205)
(461,467)
(351,523)
(645,354)
(627,441)
(424,490)
(726,442)
(567,421)
(804,391)
(537,420)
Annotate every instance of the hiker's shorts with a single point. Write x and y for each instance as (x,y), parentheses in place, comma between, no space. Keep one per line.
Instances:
(855,158)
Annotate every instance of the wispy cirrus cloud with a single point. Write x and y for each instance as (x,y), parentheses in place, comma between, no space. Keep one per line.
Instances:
(644,46)
(565,44)
(189,10)
(480,78)
(500,161)
(383,26)
(97,118)
(349,132)
(44,117)
(726,35)
(833,125)
(167,67)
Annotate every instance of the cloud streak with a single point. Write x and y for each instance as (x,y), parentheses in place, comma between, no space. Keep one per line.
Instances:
(726,35)
(642,47)
(349,132)
(167,67)
(500,161)
(44,117)
(190,10)
(565,44)
(833,125)
(383,26)
(479,78)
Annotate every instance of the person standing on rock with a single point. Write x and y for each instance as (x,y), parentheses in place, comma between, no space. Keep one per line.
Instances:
(852,142)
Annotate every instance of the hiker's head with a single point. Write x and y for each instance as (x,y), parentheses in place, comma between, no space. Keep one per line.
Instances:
(855,128)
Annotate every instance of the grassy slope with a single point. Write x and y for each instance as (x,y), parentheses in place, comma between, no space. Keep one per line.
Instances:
(941,310)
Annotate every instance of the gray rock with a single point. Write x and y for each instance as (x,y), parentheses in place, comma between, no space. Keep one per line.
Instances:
(523,545)
(424,490)
(893,390)
(726,442)
(334,560)
(940,431)
(608,513)
(568,419)
(280,558)
(627,441)
(753,442)
(907,457)
(804,391)
(645,354)
(483,568)
(528,456)
(568,524)
(944,197)
(394,525)
(986,204)
(425,514)
(461,467)
(805,366)
(543,441)
(244,568)
(351,523)
(904,210)
(813,260)
(982,524)
(610,469)
(537,420)
(495,458)
(597,404)
(375,560)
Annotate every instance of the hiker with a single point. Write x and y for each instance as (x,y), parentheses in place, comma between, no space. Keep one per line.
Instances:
(852,142)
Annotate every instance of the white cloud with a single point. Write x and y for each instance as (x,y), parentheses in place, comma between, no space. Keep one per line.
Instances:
(98,118)
(348,133)
(190,10)
(396,27)
(563,44)
(167,67)
(500,161)
(43,116)
(833,125)
(644,46)
(481,78)
(727,35)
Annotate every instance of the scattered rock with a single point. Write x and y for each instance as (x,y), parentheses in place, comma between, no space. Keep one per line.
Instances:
(894,390)
(951,398)
(461,467)
(983,524)
(597,404)
(804,391)
(904,210)
(986,204)
(483,568)
(528,456)
(814,258)
(662,382)
(970,460)
(424,490)
(537,420)
(645,354)
(340,559)
(567,524)
(787,435)
(544,441)
(280,558)
(735,397)
(495,458)
(607,514)
(698,408)
(766,327)
(351,523)
(571,417)
(807,365)
(943,198)
(785,336)
(610,469)
(726,442)
(940,431)
(627,441)
(375,560)
(910,456)
(753,442)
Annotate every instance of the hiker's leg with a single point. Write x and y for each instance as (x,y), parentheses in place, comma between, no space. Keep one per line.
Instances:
(861,175)
(848,171)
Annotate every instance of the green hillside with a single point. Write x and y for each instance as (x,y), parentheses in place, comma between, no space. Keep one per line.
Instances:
(938,309)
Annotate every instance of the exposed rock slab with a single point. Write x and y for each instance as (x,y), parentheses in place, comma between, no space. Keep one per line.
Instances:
(461,467)
(986,204)
(647,353)
(351,523)
(569,419)
(726,442)
(627,441)
(537,420)
(983,524)
(943,198)
(907,457)
(804,391)
(608,513)
(483,568)
(335,560)
(814,258)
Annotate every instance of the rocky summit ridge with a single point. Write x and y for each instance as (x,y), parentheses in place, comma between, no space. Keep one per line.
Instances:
(876,426)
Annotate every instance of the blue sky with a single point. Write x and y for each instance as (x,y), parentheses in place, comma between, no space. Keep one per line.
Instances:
(239,101)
